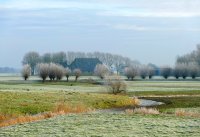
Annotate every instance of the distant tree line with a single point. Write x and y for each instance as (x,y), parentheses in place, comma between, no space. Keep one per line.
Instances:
(8,70)
(112,61)
(56,66)
(181,70)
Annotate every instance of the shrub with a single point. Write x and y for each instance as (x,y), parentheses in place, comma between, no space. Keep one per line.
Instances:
(143,110)
(184,70)
(52,71)
(116,84)
(183,113)
(151,71)
(130,72)
(77,73)
(31,58)
(194,70)
(101,71)
(143,72)
(26,71)
(43,70)
(59,72)
(67,73)
(166,71)
(176,72)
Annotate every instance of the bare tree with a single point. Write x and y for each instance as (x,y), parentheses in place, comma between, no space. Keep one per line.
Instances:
(194,56)
(101,70)
(43,70)
(47,58)
(143,71)
(71,56)
(52,71)
(166,71)
(59,72)
(26,71)
(184,70)
(60,58)
(67,73)
(31,58)
(176,72)
(118,62)
(130,72)
(194,70)
(151,71)
(108,60)
(77,73)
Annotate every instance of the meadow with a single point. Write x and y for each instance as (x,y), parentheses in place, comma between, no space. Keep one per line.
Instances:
(81,100)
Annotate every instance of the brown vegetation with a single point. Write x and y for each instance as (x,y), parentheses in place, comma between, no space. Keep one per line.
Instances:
(60,109)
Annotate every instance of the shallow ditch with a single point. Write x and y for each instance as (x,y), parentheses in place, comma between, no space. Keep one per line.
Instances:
(143,103)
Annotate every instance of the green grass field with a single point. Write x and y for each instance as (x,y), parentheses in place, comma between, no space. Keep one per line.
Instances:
(18,97)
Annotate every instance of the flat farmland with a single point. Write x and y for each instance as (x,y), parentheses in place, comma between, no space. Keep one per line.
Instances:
(33,97)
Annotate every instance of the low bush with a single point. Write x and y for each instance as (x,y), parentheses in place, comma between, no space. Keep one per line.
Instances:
(183,113)
(145,111)
(116,85)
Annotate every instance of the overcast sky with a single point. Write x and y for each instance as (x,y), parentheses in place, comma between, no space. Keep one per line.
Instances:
(145,30)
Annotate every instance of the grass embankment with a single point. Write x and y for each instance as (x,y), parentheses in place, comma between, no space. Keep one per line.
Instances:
(15,104)
(174,100)
(108,125)
(164,93)
(174,103)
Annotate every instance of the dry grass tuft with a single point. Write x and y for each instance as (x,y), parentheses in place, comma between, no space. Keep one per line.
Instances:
(135,101)
(67,108)
(183,113)
(143,110)
(3,117)
(129,111)
(22,119)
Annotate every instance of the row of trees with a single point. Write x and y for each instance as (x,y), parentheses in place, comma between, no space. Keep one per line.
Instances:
(180,70)
(56,71)
(51,70)
(65,59)
(143,71)
(193,57)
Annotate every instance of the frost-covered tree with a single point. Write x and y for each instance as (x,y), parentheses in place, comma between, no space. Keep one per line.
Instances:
(101,70)
(60,58)
(130,72)
(184,70)
(52,71)
(26,71)
(194,70)
(151,71)
(47,58)
(32,59)
(67,73)
(166,71)
(60,70)
(43,70)
(177,72)
(143,71)
(77,73)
